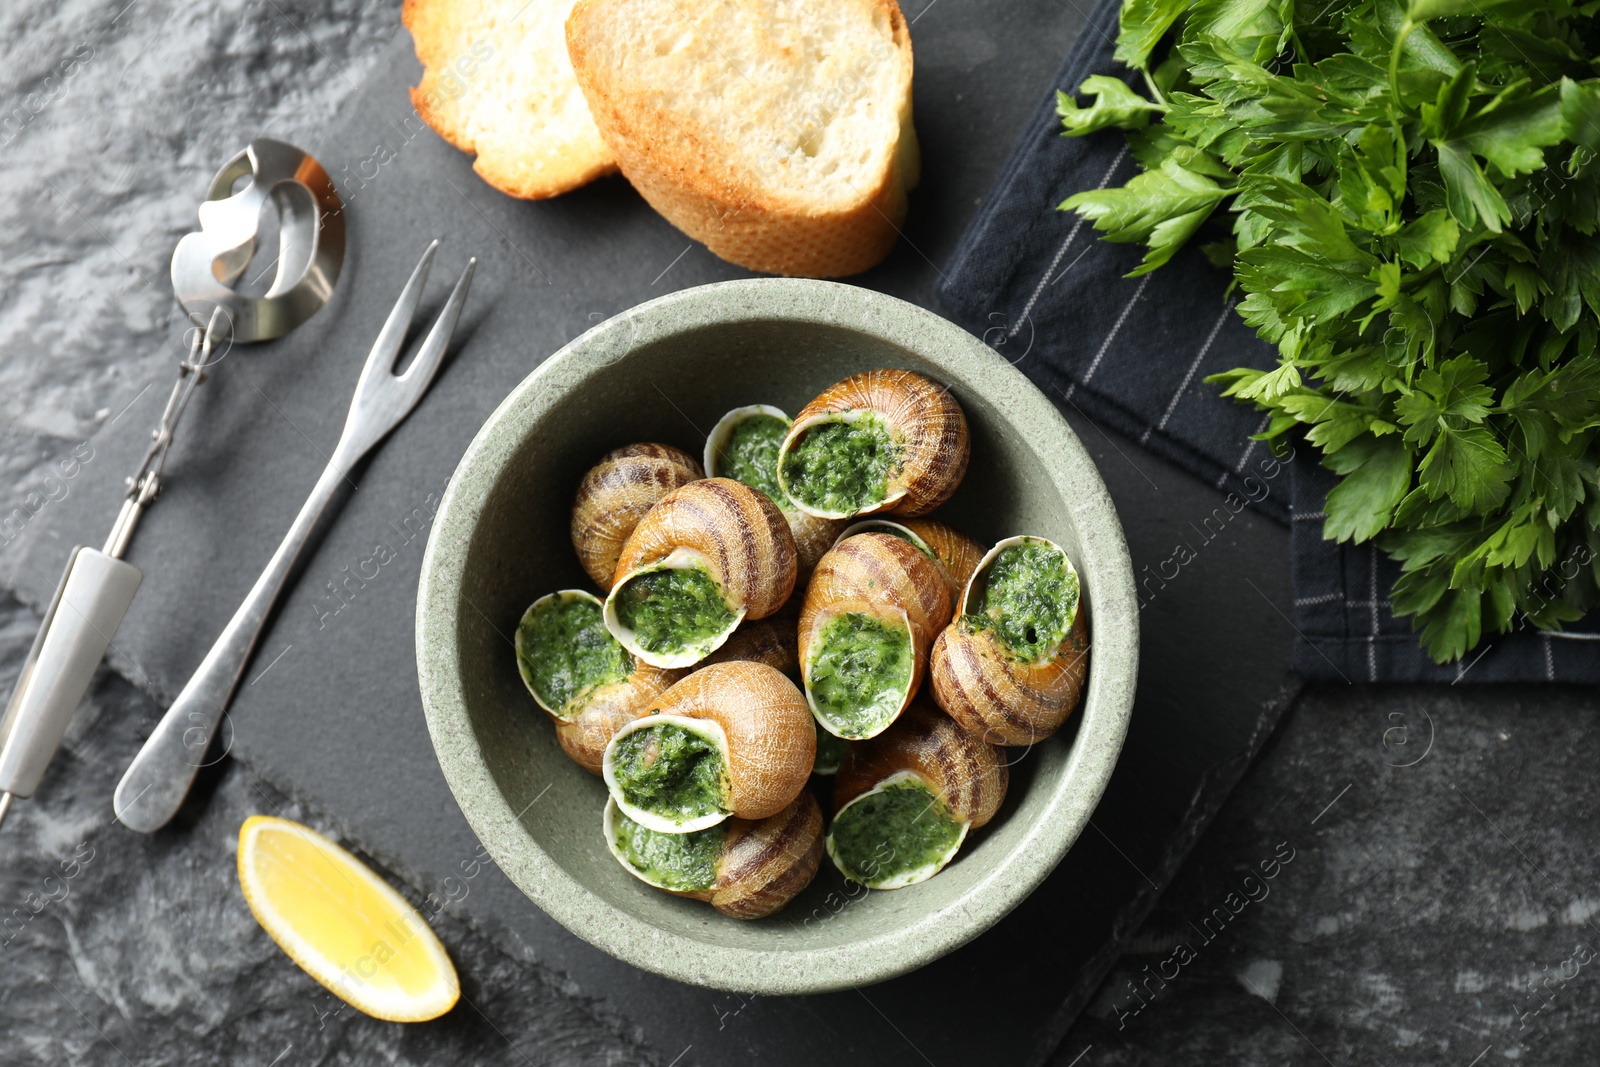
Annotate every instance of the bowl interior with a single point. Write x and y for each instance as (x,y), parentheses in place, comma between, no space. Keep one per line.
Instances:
(670,385)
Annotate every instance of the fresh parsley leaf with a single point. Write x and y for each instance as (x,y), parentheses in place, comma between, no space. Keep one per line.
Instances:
(1161,208)
(1429,238)
(1143,24)
(1414,187)
(1377,472)
(1115,105)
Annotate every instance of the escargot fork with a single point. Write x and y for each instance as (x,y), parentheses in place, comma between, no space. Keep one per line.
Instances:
(158,779)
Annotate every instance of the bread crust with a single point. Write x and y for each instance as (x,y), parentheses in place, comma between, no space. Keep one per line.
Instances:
(684,174)
(436,33)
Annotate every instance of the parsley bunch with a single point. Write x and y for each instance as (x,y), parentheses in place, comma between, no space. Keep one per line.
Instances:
(1414,193)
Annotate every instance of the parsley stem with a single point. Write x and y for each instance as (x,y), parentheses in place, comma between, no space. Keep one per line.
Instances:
(1394,58)
(1155,91)
(1301,55)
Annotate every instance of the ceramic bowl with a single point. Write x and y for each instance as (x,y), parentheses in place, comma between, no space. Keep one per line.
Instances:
(665,371)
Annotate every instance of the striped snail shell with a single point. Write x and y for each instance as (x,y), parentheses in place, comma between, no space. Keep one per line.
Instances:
(999,693)
(928,767)
(616,493)
(743,445)
(953,550)
(711,538)
(812,539)
(867,590)
(771,641)
(738,733)
(584,736)
(620,687)
(746,869)
(879,441)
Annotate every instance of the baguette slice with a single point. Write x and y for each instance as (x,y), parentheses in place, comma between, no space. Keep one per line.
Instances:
(497,82)
(776,131)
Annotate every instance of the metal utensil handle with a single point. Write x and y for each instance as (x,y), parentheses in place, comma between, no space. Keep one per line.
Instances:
(144,485)
(160,775)
(155,784)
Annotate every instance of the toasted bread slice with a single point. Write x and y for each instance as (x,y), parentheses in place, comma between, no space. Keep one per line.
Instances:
(497,82)
(776,131)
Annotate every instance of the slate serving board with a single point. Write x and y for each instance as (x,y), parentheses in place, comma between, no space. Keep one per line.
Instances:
(329,710)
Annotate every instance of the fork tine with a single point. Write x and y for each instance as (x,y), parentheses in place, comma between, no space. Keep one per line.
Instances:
(386,349)
(431,355)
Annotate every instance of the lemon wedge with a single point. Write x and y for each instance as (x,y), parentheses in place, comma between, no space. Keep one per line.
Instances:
(342,924)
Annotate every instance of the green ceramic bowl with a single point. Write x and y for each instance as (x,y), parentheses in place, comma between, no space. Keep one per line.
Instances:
(665,371)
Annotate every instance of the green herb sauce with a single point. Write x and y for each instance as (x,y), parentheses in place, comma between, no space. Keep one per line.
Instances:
(566,653)
(673,609)
(751,455)
(843,466)
(884,835)
(685,862)
(1028,600)
(670,771)
(830,751)
(860,669)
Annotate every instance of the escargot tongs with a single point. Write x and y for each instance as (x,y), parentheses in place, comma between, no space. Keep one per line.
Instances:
(159,777)
(98,586)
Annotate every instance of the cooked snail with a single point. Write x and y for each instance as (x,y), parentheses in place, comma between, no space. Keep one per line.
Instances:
(904,801)
(1011,668)
(616,493)
(770,641)
(730,739)
(879,441)
(745,869)
(590,685)
(872,610)
(706,557)
(953,550)
(743,445)
(773,641)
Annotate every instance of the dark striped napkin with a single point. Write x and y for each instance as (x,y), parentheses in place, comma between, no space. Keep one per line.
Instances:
(1133,353)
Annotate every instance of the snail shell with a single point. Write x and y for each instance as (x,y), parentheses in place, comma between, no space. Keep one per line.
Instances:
(585,736)
(994,695)
(923,420)
(967,776)
(587,721)
(721,435)
(812,539)
(616,493)
(771,641)
(758,722)
(735,533)
(885,578)
(813,536)
(957,553)
(953,550)
(760,866)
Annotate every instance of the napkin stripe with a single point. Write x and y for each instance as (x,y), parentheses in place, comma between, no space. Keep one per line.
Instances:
(1072,235)
(1116,328)
(1188,375)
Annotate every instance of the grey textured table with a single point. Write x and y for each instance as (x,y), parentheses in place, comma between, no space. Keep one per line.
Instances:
(1441,871)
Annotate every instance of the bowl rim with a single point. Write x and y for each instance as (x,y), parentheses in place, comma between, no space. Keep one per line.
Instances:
(1104,716)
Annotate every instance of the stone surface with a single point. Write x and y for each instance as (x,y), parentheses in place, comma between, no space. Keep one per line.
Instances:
(119,949)
(116,948)
(1439,907)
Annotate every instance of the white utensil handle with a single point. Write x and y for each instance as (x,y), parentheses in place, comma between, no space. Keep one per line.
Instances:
(89,604)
